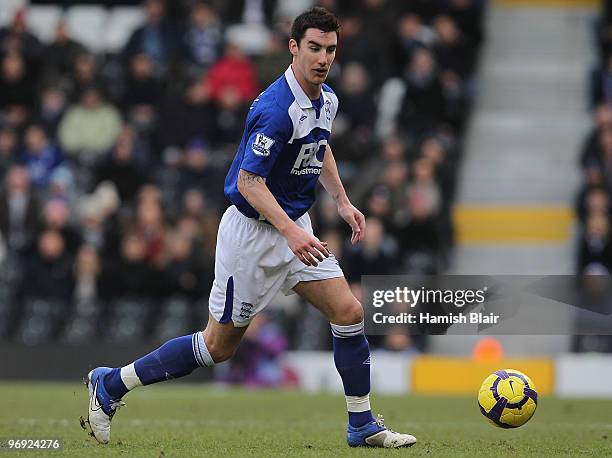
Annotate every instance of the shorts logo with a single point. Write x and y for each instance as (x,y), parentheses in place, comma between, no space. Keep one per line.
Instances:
(245,310)
(262,145)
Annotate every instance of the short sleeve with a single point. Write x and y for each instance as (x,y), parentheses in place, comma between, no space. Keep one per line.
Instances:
(269,132)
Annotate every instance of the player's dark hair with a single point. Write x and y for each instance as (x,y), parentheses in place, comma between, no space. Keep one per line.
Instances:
(315,18)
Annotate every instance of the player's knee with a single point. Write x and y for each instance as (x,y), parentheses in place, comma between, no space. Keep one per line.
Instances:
(350,312)
(220,352)
(219,347)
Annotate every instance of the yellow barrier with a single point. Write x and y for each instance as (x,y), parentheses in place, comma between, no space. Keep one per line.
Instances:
(512,224)
(586,4)
(444,375)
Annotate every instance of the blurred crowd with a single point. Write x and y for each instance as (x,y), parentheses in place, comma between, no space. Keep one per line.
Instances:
(112,164)
(594,200)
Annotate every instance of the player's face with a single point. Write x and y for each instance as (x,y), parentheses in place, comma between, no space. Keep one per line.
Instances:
(314,55)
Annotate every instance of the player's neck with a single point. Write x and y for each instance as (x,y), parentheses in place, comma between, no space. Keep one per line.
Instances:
(313,91)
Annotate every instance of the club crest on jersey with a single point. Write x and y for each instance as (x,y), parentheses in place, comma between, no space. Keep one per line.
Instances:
(328,110)
(262,145)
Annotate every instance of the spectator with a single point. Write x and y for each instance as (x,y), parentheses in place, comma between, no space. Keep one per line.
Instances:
(120,168)
(377,255)
(423,187)
(204,35)
(62,186)
(391,149)
(379,205)
(410,36)
(453,51)
(198,172)
(335,243)
(233,71)
(424,104)
(8,150)
(48,271)
(17,39)
(468,16)
(357,44)
(436,152)
(186,274)
(395,179)
(199,221)
(40,156)
(143,92)
(130,275)
(84,75)
(602,115)
(19,209)
(357,100)
(87,269)
(595,244)
(52,105)
(326,215)
(57,217)
(229,112)
(379,16)
(186,115)
(96,219)
(59,57)
(273,62)
(90,127)
(593,201)
(149,226)
(16,95)
(158,38)
(418,230)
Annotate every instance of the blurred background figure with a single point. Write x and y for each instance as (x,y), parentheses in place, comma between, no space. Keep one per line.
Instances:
(257,363)
(158,38)
(19,209)
(90,127)
(40,156)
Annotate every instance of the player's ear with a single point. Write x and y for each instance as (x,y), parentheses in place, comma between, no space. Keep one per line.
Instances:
(293,47)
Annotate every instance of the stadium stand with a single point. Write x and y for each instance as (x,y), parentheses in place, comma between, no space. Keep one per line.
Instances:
(118,123)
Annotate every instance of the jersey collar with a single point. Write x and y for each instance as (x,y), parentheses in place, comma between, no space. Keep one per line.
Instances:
(299,94)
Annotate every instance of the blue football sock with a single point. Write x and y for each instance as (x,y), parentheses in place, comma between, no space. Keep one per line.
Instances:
(176,358)
(352,359)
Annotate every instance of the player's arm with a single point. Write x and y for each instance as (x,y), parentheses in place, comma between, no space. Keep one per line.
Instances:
(330,179)
(305,246)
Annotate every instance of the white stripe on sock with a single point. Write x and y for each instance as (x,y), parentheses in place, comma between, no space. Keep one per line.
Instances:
(347,331)
(129,377)
(358,403)
(202,354)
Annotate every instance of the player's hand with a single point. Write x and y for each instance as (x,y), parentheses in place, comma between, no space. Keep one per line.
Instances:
(355,219)
(306,247)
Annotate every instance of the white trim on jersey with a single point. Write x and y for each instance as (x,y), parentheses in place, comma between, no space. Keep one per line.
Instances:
(302,113)
(300,96)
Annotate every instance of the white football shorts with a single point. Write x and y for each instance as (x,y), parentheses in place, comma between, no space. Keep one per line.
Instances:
(252,263)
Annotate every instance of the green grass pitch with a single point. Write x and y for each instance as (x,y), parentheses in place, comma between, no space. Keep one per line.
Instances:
(174,420)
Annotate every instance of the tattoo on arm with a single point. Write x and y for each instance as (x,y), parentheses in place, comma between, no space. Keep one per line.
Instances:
(248,179)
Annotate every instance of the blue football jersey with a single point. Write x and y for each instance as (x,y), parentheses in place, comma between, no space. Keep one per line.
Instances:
(284,141)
